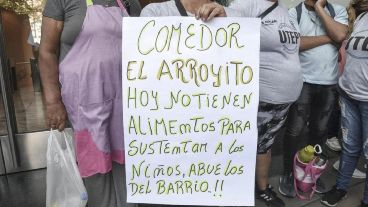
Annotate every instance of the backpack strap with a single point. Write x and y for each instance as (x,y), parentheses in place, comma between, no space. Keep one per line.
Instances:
(299,10)
(331,10)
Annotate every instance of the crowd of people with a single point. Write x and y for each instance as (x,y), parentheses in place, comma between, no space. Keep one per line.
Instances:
(301,85)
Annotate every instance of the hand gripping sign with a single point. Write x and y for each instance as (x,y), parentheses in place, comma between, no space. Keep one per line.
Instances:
(190,98)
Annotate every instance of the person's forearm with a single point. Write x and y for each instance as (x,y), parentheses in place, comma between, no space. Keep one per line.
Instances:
(49,72)
(335,30)
(310,42)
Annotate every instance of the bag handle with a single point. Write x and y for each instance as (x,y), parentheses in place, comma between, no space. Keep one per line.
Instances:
(318,149)
(181,8)
(122,7)
(269,10)
(68,144)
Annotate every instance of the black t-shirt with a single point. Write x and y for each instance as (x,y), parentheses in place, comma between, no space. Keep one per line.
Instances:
(72,13)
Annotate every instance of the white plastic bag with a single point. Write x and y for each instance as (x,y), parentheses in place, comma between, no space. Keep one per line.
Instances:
(65,187)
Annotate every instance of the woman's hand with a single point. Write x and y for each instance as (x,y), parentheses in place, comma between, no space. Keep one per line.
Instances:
(210,10)
(49,71)
(56,115)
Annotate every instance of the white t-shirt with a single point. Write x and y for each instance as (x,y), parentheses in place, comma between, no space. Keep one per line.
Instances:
(319,64)
(354,80)
(280,72)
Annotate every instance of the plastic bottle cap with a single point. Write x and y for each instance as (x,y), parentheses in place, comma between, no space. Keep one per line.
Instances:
(309,149)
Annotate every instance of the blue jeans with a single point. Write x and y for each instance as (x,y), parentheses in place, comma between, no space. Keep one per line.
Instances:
(354,126)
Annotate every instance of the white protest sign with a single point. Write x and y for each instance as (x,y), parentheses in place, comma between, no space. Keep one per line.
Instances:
(190,98)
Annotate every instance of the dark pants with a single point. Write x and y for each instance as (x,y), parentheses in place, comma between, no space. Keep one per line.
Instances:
(312,109)
(334,122)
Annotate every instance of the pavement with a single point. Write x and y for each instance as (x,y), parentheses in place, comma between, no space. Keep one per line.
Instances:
(354,195)
(28,189)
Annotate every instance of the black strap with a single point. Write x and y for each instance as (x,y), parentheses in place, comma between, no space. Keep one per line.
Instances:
(181,8)
(269,10)
(362,15)
(299,9)
(331,10)
(127,5)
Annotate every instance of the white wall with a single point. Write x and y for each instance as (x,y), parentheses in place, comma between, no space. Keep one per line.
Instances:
(291,3)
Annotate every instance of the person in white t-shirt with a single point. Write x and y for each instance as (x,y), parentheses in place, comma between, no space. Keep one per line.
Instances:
(323,27)
(280,78)
(353,89)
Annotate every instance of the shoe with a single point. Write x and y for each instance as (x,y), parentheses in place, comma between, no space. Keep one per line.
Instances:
(357,173)
(320,186)
(364,204)
(334,144)
(269,197)
(333,197)
(286,185)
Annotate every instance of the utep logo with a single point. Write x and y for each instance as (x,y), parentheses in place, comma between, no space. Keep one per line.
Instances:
(357,46)
(289,38)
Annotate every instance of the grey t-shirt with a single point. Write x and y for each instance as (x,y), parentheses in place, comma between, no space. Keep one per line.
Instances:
(162,9)
(280,72)
(169,8)
(72,13)
(354,80)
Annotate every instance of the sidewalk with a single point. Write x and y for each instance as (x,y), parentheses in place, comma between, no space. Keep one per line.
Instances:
(28,189)
(355,192)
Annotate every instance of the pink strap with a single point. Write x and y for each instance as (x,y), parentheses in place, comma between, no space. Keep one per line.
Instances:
(122,7)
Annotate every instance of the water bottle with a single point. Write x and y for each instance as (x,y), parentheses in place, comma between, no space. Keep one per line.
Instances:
(306,154)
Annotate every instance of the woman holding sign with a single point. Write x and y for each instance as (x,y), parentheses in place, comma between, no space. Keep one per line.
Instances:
(178,8)
(280,77)
(81,48)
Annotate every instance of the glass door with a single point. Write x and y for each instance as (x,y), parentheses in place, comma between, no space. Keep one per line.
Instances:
(24,147)
(3,132)
(8,151)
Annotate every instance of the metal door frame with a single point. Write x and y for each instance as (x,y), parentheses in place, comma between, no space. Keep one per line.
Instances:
(18,152)
(8,141)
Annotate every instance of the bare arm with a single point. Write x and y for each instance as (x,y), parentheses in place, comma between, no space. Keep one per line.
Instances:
(310,42)
(335,30)
(49,69)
